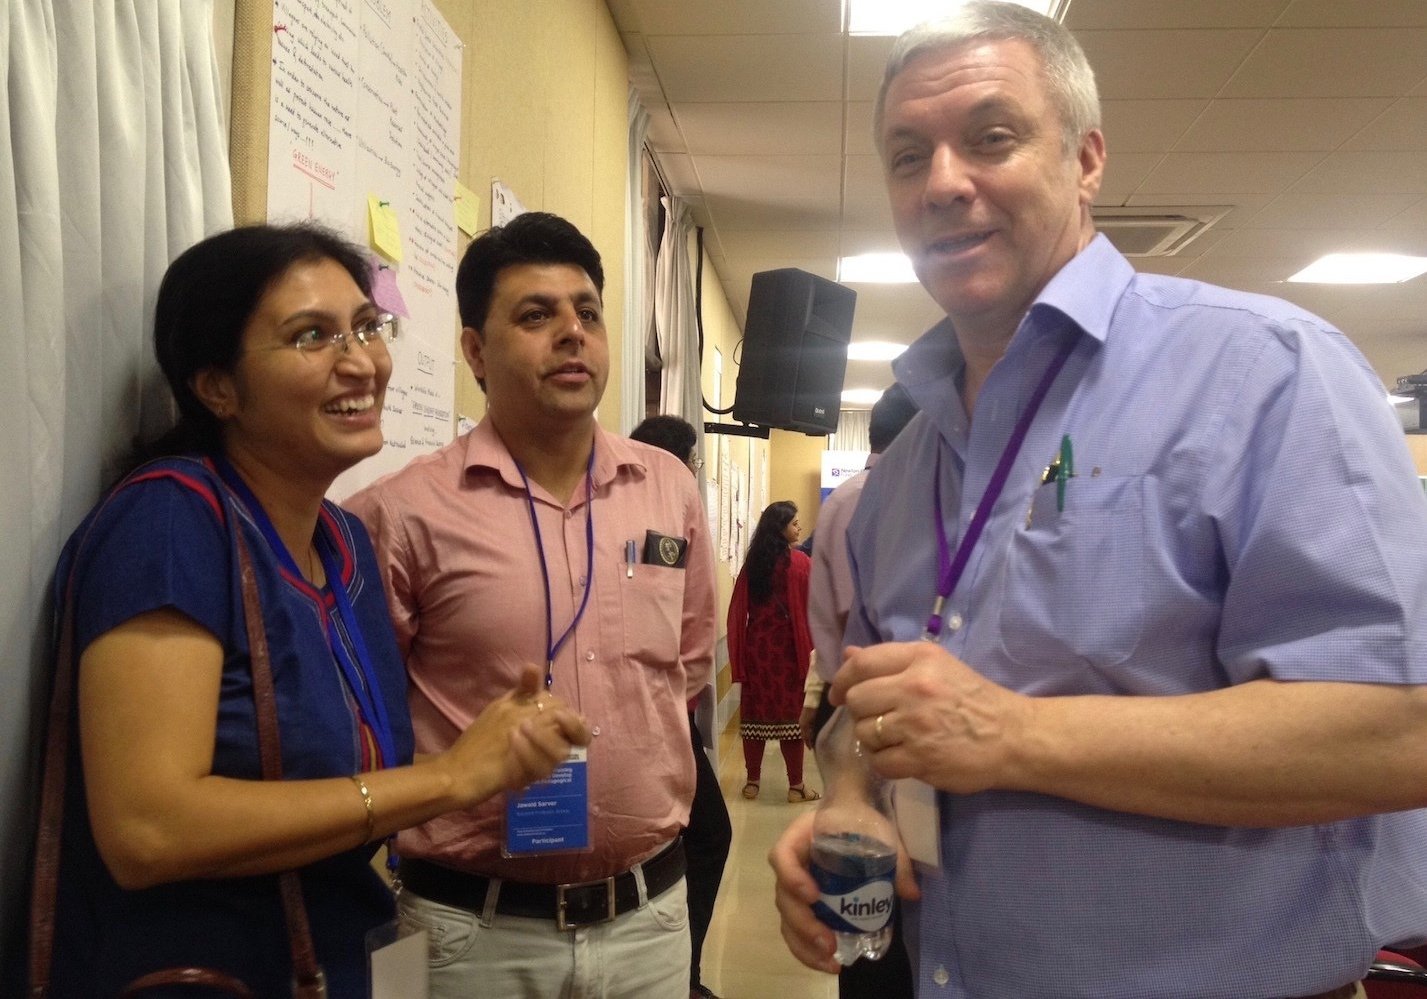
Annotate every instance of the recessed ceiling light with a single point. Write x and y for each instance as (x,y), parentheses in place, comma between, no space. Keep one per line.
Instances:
(892,17)
(876,268)
(875,350)
(860,397)
(1362,268)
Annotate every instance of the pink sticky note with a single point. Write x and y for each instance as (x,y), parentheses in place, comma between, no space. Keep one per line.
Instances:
(385,291)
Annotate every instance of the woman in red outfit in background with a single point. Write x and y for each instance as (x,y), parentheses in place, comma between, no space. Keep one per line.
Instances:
(769,646)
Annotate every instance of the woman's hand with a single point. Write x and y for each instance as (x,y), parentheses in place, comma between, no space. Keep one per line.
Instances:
(520,737)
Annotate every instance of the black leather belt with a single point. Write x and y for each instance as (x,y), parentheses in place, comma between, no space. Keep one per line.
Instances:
(570,905)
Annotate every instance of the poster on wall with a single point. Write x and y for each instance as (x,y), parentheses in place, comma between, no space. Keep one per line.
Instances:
(364,136)
(504,204)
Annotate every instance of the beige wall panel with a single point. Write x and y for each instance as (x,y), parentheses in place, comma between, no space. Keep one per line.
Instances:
(609,176)
(796,466)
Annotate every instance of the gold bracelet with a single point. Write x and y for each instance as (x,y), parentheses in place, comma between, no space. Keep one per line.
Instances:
(367,801)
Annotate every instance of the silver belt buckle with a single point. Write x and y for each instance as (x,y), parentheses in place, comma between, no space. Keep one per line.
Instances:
(561,904)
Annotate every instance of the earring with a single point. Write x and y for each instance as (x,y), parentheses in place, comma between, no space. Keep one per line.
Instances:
(221,412)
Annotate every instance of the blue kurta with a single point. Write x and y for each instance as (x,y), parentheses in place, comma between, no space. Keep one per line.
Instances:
(164,539)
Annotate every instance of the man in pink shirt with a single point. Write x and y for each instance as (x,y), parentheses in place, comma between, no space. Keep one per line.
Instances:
(539,537)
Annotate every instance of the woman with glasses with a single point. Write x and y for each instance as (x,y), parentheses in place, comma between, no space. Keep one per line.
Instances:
(769,646)
(171,842)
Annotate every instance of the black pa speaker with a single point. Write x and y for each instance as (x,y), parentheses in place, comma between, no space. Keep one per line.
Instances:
(794,352)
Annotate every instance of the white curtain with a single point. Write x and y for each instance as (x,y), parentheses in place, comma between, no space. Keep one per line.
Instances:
(113,158)
(675,320)
(638,262)
(851,433)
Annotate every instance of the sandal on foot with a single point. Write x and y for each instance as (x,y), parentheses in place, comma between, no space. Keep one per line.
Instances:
(750,790)
(797,795)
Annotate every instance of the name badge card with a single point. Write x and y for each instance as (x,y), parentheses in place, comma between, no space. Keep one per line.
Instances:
(552,815)
(397,956)
(914,804)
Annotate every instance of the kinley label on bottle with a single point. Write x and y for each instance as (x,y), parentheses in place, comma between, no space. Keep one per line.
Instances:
(863,907)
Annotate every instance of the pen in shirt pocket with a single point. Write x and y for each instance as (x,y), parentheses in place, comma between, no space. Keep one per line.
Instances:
(629,552)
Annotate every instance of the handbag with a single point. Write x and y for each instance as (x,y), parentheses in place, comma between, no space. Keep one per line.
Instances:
(308,979)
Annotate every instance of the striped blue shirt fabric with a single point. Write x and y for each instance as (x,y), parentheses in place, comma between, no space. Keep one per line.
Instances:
(1243,506)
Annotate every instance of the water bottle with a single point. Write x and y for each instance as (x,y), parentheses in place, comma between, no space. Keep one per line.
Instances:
(854,851)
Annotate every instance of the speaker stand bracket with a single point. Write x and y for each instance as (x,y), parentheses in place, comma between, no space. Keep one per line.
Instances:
(736,430)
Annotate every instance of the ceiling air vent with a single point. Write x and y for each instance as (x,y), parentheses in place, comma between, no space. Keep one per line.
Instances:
(1156,232)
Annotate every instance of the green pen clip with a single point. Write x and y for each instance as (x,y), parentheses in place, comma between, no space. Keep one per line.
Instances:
(1064,471)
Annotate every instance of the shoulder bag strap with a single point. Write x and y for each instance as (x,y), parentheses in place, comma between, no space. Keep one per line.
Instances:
(44,886)
(308,980)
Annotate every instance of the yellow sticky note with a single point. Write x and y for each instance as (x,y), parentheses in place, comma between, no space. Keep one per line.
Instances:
(381,223)
(467,209)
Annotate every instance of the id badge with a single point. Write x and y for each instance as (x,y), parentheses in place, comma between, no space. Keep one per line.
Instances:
(397,961)
(914,803)
(552,815)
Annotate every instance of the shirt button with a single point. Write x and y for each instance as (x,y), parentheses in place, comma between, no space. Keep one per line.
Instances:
(955,622)
(590,656)
(940,976)
(583,580)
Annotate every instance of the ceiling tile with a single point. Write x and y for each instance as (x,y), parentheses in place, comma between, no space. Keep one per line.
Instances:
(1264,276)
(1284,124)
(1300,210)
(1205,173)
(772,192)
(1147,126)
(867,374)
(1306,245)
(865,203)
(879,240)
(1153,65)
(748,67)
(896,312)
(761,129)
(858,137)
(734,17)
(1333,62)
(1121,14)
(1401,126)
(664,135)
(1367,173)
(678,172)
(1245,206)
(763,244)
(1413,218)
(866,64)
(1337,14)
(1123,174)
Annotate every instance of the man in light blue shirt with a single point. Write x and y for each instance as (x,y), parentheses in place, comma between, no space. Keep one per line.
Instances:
(1174,702)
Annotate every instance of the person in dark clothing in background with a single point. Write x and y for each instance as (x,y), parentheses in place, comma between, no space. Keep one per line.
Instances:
(709,833)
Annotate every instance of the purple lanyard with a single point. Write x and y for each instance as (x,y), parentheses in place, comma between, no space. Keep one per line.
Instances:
(552,644)
(949,568)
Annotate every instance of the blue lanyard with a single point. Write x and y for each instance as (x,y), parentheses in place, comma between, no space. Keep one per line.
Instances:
(359,673)
(950,569)
(552,645)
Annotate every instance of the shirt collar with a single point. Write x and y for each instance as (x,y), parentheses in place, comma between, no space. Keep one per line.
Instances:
(1086,291)
(486,450)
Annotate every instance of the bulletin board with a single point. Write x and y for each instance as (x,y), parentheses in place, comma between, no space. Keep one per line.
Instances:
(362,130)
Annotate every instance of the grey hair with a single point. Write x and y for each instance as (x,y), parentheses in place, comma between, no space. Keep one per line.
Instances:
(1067,72)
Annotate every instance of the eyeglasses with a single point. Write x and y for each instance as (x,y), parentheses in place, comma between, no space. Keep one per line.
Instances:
(695,462)
(317,340)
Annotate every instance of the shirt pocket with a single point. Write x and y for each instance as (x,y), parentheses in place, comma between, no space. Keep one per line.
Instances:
(653,611)
(1073,587)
